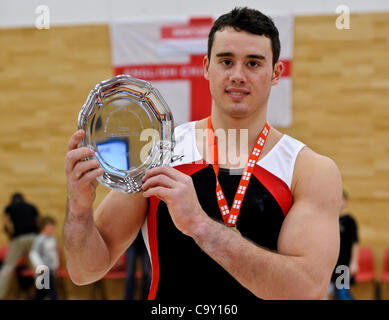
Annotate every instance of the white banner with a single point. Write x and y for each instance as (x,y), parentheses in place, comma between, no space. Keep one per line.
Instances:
(169,53)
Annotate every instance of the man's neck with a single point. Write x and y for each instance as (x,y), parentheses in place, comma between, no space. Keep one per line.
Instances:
(251,128)
(250,125)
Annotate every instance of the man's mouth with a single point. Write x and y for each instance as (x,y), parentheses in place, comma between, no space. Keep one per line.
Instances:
(237,93)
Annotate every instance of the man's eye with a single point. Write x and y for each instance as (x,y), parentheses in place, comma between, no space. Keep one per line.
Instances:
(253,64)
(226,62)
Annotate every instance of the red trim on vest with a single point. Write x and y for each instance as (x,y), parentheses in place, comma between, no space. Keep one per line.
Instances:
(277,187)
(191,168)
(188,169)
(152,233)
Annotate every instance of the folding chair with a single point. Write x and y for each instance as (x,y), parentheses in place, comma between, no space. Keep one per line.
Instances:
(366,271)
(385,271)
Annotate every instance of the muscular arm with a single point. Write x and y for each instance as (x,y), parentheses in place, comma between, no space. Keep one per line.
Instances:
(308,242)
(93,245)
(94,241)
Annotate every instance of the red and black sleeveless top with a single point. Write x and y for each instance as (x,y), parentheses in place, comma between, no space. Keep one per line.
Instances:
(181,271)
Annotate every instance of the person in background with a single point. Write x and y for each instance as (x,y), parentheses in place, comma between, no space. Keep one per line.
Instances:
(348,253)
(137,249)
(44,253)
(20,223)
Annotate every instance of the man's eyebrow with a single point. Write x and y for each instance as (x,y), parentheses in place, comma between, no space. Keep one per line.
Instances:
(256,56)
(230,54)
(224,54)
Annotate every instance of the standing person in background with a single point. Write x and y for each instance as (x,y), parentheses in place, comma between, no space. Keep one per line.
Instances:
(348,254)
(20,220)
(44,252)
(137,249)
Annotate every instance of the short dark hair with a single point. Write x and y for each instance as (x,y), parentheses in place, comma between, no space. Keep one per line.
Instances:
(250,20)
(45,220)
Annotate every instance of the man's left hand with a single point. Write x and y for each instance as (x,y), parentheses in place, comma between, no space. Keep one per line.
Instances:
(177,191)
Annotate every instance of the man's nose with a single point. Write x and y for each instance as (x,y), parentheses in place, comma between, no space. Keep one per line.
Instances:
(238,74)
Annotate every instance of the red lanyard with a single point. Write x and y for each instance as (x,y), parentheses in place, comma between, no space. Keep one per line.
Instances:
(231,216)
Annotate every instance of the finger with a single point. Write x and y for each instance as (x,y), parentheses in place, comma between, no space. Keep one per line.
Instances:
(83,167)
(172,173)
(75,139)
(158,180)
(90,177)
(74,156)
(159,192)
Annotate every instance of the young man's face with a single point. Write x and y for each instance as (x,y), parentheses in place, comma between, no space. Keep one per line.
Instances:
(240,72)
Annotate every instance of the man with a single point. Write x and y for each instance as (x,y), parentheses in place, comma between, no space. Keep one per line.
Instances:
(20,221)
(288,234)
(136,251)
(44,252)
(348,253)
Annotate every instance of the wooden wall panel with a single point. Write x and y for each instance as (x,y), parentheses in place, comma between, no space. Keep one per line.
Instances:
(45,77)
(340,109)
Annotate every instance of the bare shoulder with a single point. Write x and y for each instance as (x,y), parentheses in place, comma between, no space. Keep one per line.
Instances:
(316,177)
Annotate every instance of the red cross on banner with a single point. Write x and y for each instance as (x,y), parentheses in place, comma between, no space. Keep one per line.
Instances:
(200,97)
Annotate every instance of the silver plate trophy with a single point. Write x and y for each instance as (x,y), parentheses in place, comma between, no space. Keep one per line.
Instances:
(130,127)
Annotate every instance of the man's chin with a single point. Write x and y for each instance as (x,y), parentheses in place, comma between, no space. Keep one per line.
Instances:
(240,111)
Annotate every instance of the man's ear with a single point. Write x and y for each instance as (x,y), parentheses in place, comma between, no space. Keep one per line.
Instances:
(277,72)
(206,66)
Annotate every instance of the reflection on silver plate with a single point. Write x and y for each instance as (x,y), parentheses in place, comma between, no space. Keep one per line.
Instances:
(130,127)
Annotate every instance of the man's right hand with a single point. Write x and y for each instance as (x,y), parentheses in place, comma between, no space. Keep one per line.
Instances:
(81,176)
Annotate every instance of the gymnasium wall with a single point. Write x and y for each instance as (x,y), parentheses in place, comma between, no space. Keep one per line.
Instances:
(22,13)
(45,77)
(340,109)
